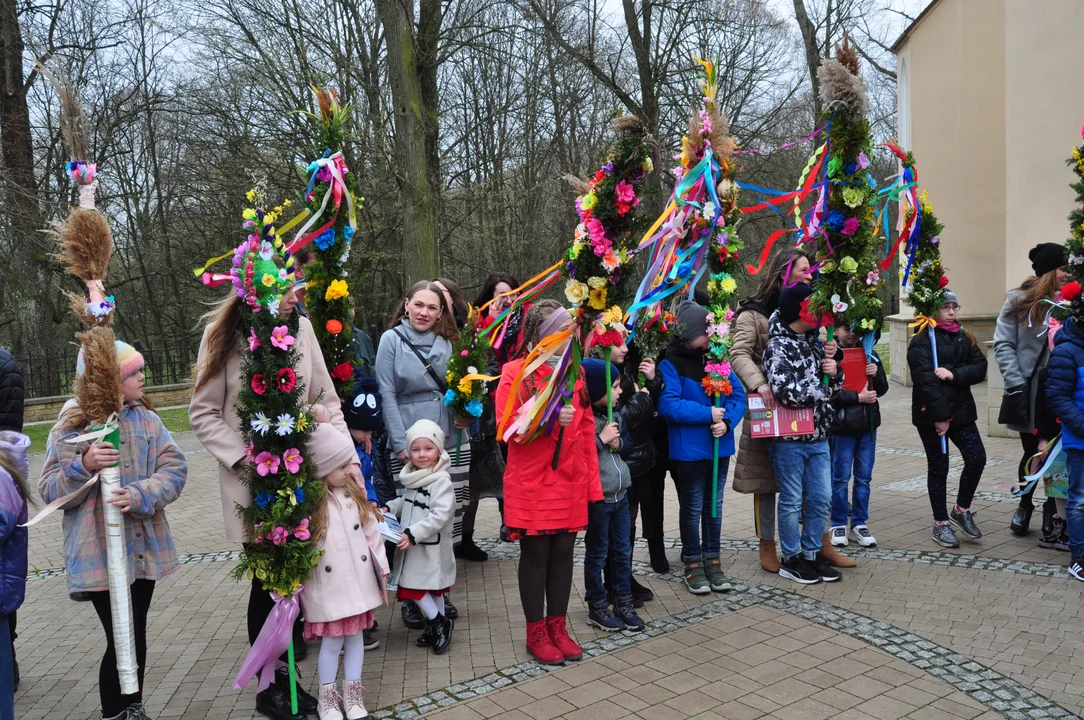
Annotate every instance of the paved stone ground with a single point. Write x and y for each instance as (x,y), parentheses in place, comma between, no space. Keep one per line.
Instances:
(915,631)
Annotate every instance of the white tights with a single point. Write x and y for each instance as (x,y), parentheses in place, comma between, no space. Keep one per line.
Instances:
(431,605)
(327,666)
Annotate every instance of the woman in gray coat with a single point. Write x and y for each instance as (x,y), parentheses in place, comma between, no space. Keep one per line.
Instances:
(1022,348)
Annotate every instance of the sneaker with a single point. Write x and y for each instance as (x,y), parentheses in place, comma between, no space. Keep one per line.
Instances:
(371,642)
(861,535)
(713,569)
(839,536)
(136,711)
(799,570)
(944,536)
(604,619)
(965,523)
(824,569)
(1056,538)
(695,578)
(1076,568)
(626,613)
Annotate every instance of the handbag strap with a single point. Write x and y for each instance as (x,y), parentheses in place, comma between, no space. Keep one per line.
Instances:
(424,361)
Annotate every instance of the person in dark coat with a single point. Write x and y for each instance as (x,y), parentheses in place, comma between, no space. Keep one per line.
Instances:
(12,398)
(942,407)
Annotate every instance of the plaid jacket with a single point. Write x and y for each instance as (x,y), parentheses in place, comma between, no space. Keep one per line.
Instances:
(152,468)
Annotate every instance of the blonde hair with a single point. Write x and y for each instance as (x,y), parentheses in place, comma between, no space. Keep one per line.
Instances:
(1032,293)
(318,524)
(223,339)
(444,327)
(74,417)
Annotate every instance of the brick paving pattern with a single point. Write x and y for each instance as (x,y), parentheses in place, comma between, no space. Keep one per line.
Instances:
(916,631)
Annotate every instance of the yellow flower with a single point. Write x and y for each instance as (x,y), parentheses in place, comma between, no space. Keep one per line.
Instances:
(464,386)
(337,289)
(597,299)
(575,292)
(448,377)
(647,165)
(596,282)
(924,202)
(575,251)
(612,316)
(267,280)
(302,421)
(588,201)
(249,214)
(251,196)
(729,286)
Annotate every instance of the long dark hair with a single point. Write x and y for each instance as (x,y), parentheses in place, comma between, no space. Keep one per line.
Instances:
(459,305)
(489,287)
(775,274)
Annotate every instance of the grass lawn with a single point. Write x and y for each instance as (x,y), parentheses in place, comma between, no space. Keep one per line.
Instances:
(883,353)
(176,420)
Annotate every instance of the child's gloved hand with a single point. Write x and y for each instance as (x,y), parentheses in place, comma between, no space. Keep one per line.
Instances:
(100,455)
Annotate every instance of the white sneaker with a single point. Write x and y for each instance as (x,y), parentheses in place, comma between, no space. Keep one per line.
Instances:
(354,700)
(861,535)
(839,536)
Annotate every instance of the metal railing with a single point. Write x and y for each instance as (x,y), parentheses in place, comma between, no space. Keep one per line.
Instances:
(53,376)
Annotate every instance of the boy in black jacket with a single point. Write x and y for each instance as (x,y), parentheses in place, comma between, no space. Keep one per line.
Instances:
(853,443)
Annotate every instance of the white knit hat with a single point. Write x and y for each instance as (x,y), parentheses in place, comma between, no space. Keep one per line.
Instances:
(425,429)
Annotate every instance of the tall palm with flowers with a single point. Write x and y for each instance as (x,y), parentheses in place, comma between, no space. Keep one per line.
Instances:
(1072,300)
(466,383)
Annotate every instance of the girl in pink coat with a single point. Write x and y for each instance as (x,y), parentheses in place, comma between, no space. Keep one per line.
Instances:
(349,580)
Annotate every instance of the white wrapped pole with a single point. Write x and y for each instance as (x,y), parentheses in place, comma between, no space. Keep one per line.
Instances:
(120,598)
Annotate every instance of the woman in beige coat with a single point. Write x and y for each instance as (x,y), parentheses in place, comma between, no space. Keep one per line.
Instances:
(215,422)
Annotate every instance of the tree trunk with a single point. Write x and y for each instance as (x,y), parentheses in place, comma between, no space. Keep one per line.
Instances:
(412,76)
(812,51)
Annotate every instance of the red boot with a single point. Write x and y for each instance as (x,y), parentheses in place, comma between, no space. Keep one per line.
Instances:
(540,645)
(559,636)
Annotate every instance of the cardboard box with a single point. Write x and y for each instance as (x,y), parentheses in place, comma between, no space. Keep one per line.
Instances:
(781,422)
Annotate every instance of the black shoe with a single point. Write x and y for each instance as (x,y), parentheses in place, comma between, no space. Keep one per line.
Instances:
(412,615)
(825,569)
(470,552)
(640,594)
(657,552)
(1055,538)
(441,629)
(305,703)
(275,704)
(371,641)
(136,711)
(426,638)
(1021,519)
(799,570)
(450,610)
(965,523)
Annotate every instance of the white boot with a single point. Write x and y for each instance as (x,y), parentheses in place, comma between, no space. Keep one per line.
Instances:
(354,695)
(329,703)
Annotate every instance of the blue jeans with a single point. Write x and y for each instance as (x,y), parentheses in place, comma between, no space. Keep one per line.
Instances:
(700,532)
(7,672)
(1074,505)
(857,452)
(609,529)
(803,474)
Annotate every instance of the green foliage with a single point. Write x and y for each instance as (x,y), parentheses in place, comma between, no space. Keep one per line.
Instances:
(470,353)
(1075,243)
(927,281)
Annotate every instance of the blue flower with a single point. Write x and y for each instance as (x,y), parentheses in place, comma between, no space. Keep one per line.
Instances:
(835,220)
(870,180)
(348,233)
(325,239)
(449,396)
(474,407)
(850,168)
(264,498)
(299,493)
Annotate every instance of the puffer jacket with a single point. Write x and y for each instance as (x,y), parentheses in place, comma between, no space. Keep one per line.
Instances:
(852,417)
(933,399)
(13,513)
(639,414)
(613,471)
(11,393)
(1065,384)
(792,365)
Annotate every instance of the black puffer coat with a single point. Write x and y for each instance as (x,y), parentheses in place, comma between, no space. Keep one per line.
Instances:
(851,417)
(933,399)
(11,393)
(639,411)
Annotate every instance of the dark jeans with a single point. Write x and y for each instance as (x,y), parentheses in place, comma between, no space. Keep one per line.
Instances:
(113,702)
(7,673)
(607,541)
(967,439)
(700,532)
(646,497)
(1074,504)
(852,453)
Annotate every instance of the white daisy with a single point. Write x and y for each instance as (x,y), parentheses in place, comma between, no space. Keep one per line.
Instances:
(273,306)
(285,425)
(260,423)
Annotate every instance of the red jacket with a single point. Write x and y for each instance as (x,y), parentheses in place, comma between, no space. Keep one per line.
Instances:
(537,497)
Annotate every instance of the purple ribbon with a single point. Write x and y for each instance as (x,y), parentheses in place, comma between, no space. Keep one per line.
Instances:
(273,640)
(807,138)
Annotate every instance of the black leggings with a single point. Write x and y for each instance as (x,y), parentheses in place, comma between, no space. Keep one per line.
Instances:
(113,703)
(1030,443)
(967,439)
(545,574)
(646,494)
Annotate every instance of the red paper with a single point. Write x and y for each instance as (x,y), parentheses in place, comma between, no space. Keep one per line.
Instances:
(854,369)
(781,422)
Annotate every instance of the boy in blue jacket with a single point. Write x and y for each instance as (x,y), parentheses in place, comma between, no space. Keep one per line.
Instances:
(1065,396)
(693,425)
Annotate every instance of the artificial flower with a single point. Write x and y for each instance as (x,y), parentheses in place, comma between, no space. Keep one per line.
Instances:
(325,239)
(299,494)
(612,316)
(333,326)
(727,189)
(835,220)
(272,306)
(838,306)
(596,282)
(853,196)
(474,408)
(337,289)
(607,339)
(250,451)
(264,498)
(251,196)
(718,329)
(862,161)
(259,384)
(449,396)
(348,233)
(848,265)
(260,423)
(850,168)
(729,316)
(718,368)
(833,166)
(935,240)
(728,285)
(281,337)
(872,277)
(464,386)
(267,251)
(587,202)
(343,371)
(709,211)
(575,291)
(850,227)
(267,464)
(302,422)
(647,165)
(278,536)
(301,532)
(284,425)
(610,261)
(943,282)
(722,238)
(292,459)
(1070,290)
(868,324)
(596,299)
(574,251)
(580,234)
(268,280)
(287,379)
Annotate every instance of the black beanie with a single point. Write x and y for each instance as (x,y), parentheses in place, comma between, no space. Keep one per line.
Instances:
(692,321)
(1046,257)
(594,371)
(363,410)
(790,301)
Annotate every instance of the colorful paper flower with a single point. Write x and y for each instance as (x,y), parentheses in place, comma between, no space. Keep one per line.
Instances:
(576,292)
(848,264)
(587,202)
(596,282)
(278,536)
(343,371)
(292,459)
(253,340)
(833,166)
(862,161)
(299,494)
(596,299)
(850,227)
(1070,291)
(464,386)
(272,306)
(264,498)
(281,337)
(284,425)
(260,423)
(872,277)
(835,220)
(325,239)
(287,379)
(267,464)
(850,168)
(610,261)
(625,193)
(474,407)
(838,306)
(259,384)
(301,532)
(333,326)
(449,396)
(943,282)
(853,197)
(337,289)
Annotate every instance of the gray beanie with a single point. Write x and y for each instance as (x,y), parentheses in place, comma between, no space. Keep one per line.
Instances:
(950,298)
(693,320)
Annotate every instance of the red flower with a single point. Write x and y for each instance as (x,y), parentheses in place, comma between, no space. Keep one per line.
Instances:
(259,384)
(343,371)
(1070,291)
(333,326)
(599,176)
(287,379)
(610,338)
(943,282)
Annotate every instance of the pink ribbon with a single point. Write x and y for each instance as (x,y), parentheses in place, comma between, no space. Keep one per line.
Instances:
(273,640)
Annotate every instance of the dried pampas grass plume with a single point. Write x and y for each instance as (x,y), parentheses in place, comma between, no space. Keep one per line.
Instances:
(97,389)
(579,186)
(326,100)
(719,137)
(73,124)
(86,244)
(840,85)
(847,55)
(628,123)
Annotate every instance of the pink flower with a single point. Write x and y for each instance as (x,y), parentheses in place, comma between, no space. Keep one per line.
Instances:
(850,227)
(259,384)
(281,337)
(249,450)
(292,459)
(721,369)
(278,535)
(718,329)
(256,530)
(301,532)
(862,161)
(729,317)
(464,353)
(267,464)
(253,340)
(1082,131)
(610,261)
(596,230)
(625,193)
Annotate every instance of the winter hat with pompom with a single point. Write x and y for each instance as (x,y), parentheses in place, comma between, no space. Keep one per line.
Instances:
(129,359)
(330,449)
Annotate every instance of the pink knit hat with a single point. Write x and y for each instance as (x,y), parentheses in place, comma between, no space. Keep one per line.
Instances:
(130,361)
(330,449)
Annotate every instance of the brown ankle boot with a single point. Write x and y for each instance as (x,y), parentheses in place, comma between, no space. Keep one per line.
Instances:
(834,558)
(769,558)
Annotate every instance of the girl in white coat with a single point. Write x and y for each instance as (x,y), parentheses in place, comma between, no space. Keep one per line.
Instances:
(425,565)
(349,581)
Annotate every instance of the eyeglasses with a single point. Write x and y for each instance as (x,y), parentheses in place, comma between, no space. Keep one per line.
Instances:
(950,306)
